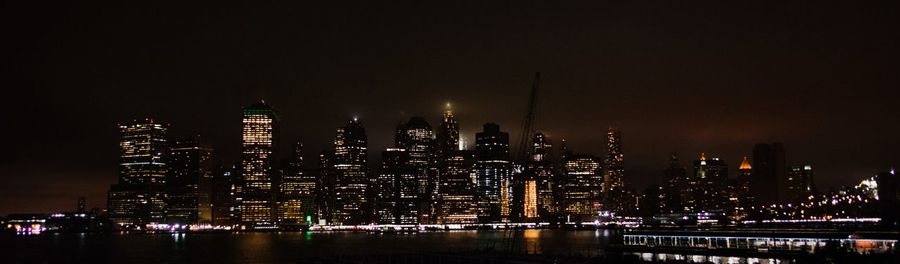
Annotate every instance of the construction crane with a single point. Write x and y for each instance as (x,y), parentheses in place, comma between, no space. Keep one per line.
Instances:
(528,121)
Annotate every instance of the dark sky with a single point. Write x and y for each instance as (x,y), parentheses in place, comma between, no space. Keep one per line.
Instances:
(683,76)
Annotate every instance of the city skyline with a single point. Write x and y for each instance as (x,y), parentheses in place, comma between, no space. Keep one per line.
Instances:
(671,83)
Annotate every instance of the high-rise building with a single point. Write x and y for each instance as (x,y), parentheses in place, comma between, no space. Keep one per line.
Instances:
(769,182)
(614,177)
(706,186)
(448,135)
(81,205)
(745,176)
(581,188)
(493,171)
(800,183)
(259,155)
(539,194)
(326,182)
(297,197)
(226,187)
(458,201)
(417,138)
(189,182)
(676,176)
(350,170)
(398,196)
(139,196)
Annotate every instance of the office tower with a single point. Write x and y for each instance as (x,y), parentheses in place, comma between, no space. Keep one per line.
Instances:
(676,177)
(581,187)
(350,171)
(493,170)
(398,196)
(259,154)
(417,138)
(707,185)
(888,188)
(298,192)
(189,182)
(745,173)
(458,202)
(326,182)
(800,183)
(614,177)
(448,135)
(538,189)
(138,198)
(769,182)
(226,187)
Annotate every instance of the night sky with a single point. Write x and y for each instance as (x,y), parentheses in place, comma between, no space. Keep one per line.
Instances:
(700,77)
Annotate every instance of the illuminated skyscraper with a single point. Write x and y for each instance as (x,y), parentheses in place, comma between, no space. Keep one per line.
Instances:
(538,189)
(398,196)
(745,173)
(706,186)
(350,171)
(448,135)
(493,171)
(800,183)
(458,201)
(298,192)
(417,138)
(189,182)
(138,198)
(769,182)
(580,194)
(259,154)
(614,177)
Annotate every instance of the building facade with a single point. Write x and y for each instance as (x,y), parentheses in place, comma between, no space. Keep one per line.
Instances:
(189,182)
(139,196)
(259,156)
(493,171)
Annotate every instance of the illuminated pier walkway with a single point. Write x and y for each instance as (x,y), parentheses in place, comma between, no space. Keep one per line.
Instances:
(759,242)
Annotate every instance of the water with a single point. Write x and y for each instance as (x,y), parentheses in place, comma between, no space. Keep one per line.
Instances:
(285,247)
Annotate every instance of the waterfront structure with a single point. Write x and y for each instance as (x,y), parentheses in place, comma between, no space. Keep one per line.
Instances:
(458,202)
(189,182)
(351,179)
(259,152)
(297,195)
(769,182)
(581,188)
(800,183)
(139,196)
(398,196)
(493,171)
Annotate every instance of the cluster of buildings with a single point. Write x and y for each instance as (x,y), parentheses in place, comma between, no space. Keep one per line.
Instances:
(426,177)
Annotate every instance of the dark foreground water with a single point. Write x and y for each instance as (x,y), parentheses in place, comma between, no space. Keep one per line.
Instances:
(286,247)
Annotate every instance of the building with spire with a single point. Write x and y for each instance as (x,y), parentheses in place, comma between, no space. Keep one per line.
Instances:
(259,163)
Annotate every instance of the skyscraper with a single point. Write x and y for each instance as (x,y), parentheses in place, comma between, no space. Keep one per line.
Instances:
(614,177)
(800,183)
(769,182)
(189,182)
(226,187)
(398,196)
(493,170)
(448,135)
(417,138)
(707,185)
(259,154)
(138,198)
(458,202)
(350,171)
(539,179)
(298,192)
(580,194)
(745,176)
(675,192)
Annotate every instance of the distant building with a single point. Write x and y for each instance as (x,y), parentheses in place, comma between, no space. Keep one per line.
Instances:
(493,171)
(226,186)
(398,196)
(297,197)
(259,155)
(417,138)
(706,188)
(139,196)
(581,188)
(800,183)
(769,182)
(189,182)
(351,177)
(678,183)
(614,177)
(539,192)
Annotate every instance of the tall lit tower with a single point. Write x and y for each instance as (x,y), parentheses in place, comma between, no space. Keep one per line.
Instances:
(350,169)
(614,177)
(448,135)
(745,172)
(259,151)
(138,198)
(296,202)
(493,171)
